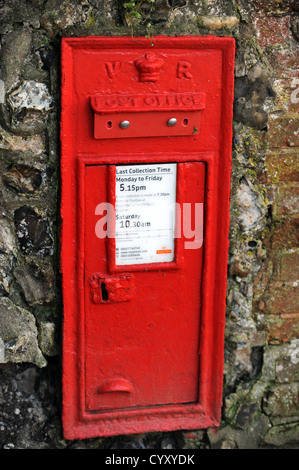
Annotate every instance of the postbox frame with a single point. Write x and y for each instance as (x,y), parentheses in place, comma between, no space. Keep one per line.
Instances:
(78,423)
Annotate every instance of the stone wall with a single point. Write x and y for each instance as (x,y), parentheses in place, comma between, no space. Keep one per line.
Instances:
(261,371)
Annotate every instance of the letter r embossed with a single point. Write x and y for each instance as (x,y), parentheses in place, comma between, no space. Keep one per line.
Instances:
(183,70)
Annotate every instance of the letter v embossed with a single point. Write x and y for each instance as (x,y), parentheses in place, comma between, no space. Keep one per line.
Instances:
(112,68)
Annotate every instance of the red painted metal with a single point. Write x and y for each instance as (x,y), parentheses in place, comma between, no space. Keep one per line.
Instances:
(141,111)
(157,331)
(143,343)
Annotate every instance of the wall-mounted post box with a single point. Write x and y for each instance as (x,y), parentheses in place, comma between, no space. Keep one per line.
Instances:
(146,145)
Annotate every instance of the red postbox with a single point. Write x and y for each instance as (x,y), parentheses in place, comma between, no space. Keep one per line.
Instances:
(145,167)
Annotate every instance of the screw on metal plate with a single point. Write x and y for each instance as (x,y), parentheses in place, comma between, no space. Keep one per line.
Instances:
(124,124)
(172,122)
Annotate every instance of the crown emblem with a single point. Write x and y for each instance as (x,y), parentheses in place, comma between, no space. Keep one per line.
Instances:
(149,67)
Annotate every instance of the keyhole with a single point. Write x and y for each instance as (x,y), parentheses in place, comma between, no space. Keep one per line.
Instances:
(104,291)
(109,124)
(185,122)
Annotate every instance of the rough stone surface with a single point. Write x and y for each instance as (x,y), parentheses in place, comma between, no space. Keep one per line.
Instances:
(27,108)
(252,95)
(36,283)
(33,232)
(214,22)
(254,434)
(11,63)
(283,435)
(48,339)
(22,178)
(18,333)
(251,209)
(7,236)
(262,326)
(282,400)
(30,95)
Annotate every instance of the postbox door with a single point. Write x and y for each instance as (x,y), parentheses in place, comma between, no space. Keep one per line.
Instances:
(142,322)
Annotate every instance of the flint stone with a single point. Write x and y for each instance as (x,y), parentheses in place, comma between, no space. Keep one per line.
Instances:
(245,414)
(31,95)
(26,380)
(6,15)
(252,209)
(7,237)
(18,334)
(252,96)
(15,49)
(32,145)
(61,14)
(7,262)
(5,280)
(2,91)
(29,105)
(47,339)
(37,284)
(22,178)
(33,232)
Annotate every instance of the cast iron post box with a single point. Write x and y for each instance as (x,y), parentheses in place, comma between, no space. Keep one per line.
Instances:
(145,168)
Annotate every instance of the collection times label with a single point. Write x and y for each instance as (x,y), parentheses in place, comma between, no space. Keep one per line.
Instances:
(145,213)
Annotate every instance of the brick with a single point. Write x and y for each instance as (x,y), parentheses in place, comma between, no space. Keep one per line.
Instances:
(282,166)
(272,30)
(286,201)
(273,7)
(283,131)
(280,298)
(262,278)
(289,267)
(285,235)
(287,94)
(285,61)
(281,328)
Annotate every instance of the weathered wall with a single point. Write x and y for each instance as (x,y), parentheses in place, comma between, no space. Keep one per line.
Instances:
(262,342)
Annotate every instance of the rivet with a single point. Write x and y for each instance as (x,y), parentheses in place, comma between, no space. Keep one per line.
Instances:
(124,124)
(172,122)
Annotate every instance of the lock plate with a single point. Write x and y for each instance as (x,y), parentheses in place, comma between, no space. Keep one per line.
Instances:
(108,289)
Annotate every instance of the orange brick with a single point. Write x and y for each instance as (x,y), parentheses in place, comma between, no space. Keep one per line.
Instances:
(289,267)
(287,95)
(285,235)
(283,131)
(281,329)
(286,201)
(285,61)
(282,166)
(272,30)
(280,298)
